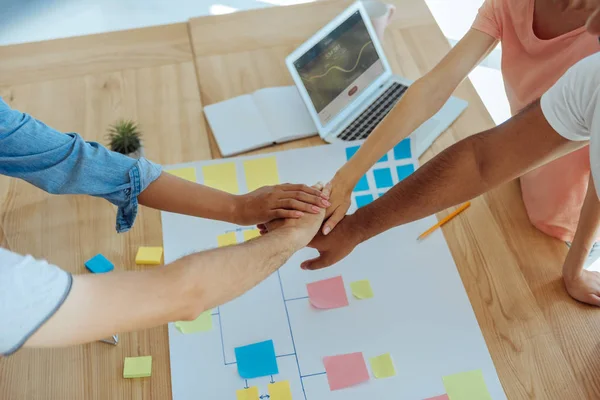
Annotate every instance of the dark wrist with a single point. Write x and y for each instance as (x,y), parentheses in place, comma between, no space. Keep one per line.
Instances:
(236,208)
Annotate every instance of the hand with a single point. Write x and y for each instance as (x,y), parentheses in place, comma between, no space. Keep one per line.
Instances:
(584,286)
(335,246)
(281,201)
(340,203)
(303,229)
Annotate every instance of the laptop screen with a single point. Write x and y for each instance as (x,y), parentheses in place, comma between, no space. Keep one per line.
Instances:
(339,67)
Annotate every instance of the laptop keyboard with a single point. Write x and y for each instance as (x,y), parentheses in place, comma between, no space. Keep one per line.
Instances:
(364,124)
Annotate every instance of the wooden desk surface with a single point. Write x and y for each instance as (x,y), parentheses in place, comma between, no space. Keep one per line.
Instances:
(543,344)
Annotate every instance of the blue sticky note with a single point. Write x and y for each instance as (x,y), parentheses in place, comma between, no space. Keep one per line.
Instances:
(404,171)
(256,360)
(382,159)
(383,178)
(363,200)
(402,150)
(99,264)
(362,184)
(350,151)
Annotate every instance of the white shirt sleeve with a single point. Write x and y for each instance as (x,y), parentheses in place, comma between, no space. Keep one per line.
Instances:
(572,108)
(31,291)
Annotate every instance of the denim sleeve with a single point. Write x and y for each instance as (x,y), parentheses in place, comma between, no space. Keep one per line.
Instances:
(66,164)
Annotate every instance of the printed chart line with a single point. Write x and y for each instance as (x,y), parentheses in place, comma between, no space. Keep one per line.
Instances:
(294,354)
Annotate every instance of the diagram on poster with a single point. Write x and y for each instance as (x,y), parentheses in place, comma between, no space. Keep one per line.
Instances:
(390,321)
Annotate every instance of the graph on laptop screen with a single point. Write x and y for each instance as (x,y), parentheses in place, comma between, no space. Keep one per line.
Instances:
(339,67)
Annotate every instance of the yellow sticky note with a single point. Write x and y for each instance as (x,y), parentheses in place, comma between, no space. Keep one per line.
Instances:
(222,177)
(137,367)
(261,172)
(361,289)
(248,394)
(254,233)
(184,173)
(383,366)
(226,239)
(149,255)
(201,324)
(466,386)
(280,391)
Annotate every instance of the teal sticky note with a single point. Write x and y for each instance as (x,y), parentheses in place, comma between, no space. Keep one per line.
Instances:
(362,184)
(402,150)
(383,159)
(362,201)
(351,151)
(404,171)
(256,360)
(99,264)
(383,178)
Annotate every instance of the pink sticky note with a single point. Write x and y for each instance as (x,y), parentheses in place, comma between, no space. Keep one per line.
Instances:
(345,370)
(440,397)
(328,293)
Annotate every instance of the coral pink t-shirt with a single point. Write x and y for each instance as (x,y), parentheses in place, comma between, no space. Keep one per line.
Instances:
(553,194)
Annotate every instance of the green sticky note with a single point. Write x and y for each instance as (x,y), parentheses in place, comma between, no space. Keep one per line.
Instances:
(222,177)
(201,324)
(137,367)
(466,386)
(383,366)
(227,239)
(361,289)
(261,172)
(188,173)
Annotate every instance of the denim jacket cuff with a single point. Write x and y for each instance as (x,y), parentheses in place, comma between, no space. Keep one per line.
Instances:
(141,176)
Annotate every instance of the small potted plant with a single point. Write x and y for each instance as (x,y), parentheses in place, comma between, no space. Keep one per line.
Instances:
(125,138)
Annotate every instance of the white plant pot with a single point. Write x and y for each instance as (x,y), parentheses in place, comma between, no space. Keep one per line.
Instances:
(137,154)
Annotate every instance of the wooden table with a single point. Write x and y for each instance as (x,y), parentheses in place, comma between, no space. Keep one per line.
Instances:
(543,344)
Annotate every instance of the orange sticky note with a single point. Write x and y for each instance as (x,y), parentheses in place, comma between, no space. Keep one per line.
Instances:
(328,293)
(345,370)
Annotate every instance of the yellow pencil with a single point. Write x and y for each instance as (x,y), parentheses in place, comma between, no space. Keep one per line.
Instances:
(445,220)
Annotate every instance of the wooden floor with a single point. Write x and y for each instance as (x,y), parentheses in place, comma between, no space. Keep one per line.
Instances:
(544,344)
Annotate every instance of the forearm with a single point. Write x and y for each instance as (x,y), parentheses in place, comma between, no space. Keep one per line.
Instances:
(586,234)
(170,193)
(101,305)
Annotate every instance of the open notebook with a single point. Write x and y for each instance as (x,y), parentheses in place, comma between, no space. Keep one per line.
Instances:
(267,116)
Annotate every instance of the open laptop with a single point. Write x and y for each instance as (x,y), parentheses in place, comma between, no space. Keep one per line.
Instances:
(348,86)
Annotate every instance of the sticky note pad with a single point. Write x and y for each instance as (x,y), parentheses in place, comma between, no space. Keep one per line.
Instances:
(351,151)
(361,289)
(363,200)
(261,172)
(280,391)
(404,171)
(402,150)
(345,370)
(383,178)
(256,360)
(328,293)
(248,394)
(383,366)
(149,255)
(137,367)
(440,397)
(99,264)
(226,239)
(466,386)
(184,173)
(362,184)
(201,324)
(222,177)
(251,234)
